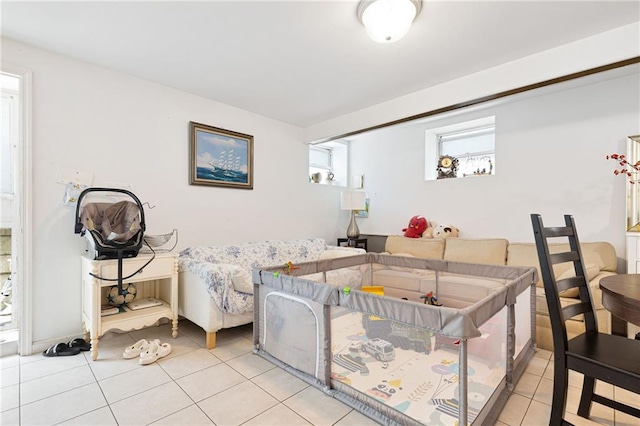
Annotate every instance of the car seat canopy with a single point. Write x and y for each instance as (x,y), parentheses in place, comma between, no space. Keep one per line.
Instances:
(112,220)
(118,222)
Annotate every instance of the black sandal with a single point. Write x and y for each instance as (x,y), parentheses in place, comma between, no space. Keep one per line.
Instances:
(80,344)
(61,349)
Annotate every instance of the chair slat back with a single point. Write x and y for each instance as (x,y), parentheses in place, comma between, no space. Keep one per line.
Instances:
(557,314)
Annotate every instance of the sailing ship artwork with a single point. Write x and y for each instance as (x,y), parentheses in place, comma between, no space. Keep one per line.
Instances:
(221,157)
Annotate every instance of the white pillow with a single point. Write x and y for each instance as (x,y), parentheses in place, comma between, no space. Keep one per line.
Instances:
(241,280)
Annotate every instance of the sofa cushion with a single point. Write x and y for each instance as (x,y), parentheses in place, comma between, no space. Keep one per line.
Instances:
(336,253)
(426,248)
(398,279)
(591,270)
(485,251)
(602,254)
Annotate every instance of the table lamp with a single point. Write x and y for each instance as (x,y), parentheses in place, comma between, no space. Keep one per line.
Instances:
(352,200)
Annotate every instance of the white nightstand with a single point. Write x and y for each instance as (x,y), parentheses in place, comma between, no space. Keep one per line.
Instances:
(159,280)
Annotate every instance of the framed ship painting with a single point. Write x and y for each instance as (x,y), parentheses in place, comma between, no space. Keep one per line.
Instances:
(219,157)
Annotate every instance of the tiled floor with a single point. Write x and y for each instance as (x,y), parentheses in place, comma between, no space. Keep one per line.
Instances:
(228,385)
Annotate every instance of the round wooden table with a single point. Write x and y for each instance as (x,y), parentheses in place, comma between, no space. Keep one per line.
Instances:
(621,296)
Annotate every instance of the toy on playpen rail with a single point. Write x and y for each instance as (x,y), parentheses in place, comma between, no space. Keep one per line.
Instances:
(288,267)
(430,299)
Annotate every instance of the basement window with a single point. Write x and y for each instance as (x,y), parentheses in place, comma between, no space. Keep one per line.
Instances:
(328,163)
(472,143)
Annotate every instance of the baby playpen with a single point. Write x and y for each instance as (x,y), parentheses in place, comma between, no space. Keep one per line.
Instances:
(400,361)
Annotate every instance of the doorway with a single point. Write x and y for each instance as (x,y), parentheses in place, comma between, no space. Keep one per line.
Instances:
(14,214)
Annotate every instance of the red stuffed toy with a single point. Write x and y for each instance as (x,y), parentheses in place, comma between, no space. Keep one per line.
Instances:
(417,225)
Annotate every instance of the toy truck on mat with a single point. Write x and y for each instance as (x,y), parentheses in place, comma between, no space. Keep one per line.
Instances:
(399,335)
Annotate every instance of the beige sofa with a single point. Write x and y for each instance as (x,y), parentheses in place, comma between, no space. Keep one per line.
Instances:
(599,257)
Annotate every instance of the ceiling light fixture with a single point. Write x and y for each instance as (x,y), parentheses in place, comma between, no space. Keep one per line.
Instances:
(387,21)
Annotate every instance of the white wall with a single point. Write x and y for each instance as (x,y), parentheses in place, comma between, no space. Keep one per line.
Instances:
(550,159)
(602,49)
(126,130)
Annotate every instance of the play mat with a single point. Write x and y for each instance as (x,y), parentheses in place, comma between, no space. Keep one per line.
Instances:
(398,361)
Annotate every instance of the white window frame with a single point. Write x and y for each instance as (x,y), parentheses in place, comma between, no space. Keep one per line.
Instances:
(433,137)
(338,152)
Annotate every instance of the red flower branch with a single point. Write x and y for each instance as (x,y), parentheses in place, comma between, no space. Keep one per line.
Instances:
(626,168)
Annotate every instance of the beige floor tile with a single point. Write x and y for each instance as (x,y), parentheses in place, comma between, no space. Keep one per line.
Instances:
(180,345)
(113,366)
(599,413)
(162,332)
(53,384)
(244,331)
(193,332)
(544,392)
(9,397)
(279,384)
(605,389)
(537,366)
(9,361)
(122,386)
(527,385)
(317,407)
(624,419)
(111,345)
(49,365)
(548,372)
(514,410)
(537,414)
(209,381)
(151,405)
(630,398)
(575,379)
(223,408)
(579,421)
(354,418)
(188,363)
(543,353)
(10,376)
(499,423)
(100,417)
(28,359)
(63,406)
(232,347)
(190,416)
(250,365)
(277,416)
(10,417)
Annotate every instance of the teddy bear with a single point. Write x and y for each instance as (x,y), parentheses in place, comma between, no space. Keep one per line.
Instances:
(417,225)
(444,231)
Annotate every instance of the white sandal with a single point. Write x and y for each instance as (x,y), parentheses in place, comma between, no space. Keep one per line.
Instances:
(156,351)
(137,348)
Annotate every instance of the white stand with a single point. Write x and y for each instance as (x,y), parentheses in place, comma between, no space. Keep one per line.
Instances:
(159,280)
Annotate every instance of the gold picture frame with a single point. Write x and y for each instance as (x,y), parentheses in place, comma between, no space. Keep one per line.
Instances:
(220,157)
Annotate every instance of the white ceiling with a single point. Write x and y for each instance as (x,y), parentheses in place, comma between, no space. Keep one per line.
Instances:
(302,62)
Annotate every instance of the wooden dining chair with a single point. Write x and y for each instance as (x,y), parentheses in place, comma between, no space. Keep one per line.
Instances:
(601,356)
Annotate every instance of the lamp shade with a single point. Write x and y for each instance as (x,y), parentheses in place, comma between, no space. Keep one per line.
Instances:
(352,200)
(387,21)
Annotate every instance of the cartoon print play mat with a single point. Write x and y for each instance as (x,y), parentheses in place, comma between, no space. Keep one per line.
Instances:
(398,361)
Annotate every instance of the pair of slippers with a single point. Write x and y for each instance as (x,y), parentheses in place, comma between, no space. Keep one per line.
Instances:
(147,351)
(74,347)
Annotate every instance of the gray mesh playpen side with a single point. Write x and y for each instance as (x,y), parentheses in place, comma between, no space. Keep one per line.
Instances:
(294,316)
